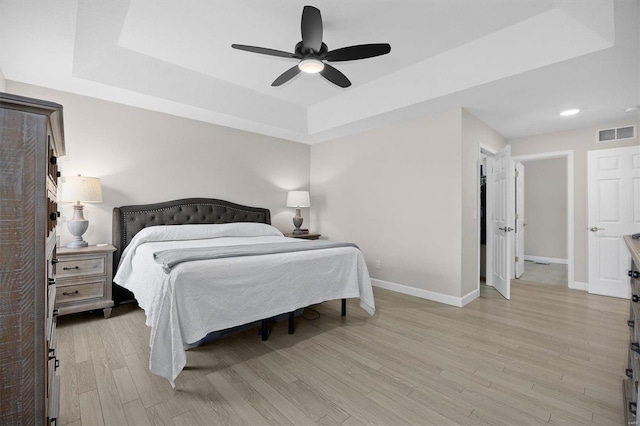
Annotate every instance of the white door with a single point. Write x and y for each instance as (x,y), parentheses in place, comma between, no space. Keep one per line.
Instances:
(614,211)
(500,195)
(519,221)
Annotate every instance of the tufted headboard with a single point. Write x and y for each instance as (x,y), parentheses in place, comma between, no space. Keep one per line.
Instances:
(129,220)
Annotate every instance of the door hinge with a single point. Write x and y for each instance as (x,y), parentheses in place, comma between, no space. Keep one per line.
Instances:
(517,173)
(517,216)
(517,259)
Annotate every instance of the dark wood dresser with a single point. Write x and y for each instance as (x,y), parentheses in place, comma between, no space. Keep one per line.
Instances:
(630,383)
(31,140)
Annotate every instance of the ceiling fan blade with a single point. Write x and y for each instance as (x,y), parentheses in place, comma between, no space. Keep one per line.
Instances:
(311,29)
(264,51)
(361,51)
(286,76)
(335,76)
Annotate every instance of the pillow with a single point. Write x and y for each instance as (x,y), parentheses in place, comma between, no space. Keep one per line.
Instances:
(199,232)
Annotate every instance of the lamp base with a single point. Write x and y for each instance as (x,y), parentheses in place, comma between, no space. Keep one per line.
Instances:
(77,226)
(77,243)
(297,222)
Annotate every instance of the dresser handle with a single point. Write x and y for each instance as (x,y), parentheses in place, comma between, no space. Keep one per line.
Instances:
(54,260)
(52,281)
(53,160)
(57,364)
(52,356)
(629,373)
(635,298)
(56,312)
(70,293)
(631,323)
(66,268)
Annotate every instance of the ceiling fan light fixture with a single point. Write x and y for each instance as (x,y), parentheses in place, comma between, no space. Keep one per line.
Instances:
(311,65)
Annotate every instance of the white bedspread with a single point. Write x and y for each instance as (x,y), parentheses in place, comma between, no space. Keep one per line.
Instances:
(199,297)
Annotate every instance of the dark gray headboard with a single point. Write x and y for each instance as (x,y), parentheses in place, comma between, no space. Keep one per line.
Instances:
(129,220)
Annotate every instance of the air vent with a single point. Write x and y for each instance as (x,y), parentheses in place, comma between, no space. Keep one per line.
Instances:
(617,134)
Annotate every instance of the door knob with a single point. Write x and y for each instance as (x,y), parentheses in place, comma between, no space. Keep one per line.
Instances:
(595,229)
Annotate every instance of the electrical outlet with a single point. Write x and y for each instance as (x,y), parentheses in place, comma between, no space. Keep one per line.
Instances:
(378,265)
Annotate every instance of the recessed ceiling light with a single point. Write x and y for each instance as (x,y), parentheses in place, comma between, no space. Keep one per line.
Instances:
(568,112)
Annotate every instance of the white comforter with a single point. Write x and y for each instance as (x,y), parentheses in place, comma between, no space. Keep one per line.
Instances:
(199,297)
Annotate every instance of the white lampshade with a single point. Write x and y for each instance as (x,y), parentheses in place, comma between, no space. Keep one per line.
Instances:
(298,199)
(81,188)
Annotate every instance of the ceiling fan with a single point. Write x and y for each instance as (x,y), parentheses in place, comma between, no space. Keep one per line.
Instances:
(313,53)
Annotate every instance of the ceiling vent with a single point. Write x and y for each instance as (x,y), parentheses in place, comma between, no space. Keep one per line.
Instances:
(617,134)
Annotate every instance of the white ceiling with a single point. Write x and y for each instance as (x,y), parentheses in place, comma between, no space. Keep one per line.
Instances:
(513,63)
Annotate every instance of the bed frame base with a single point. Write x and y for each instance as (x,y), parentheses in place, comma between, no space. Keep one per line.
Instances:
(265,331)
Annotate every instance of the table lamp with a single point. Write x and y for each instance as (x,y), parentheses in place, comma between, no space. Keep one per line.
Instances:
(298,199)
(80,189)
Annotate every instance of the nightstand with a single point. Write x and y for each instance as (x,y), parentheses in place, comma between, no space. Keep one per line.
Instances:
(84,279)
(304,236)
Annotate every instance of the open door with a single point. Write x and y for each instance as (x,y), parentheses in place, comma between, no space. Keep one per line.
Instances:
(614,211)
(518,235)
(501,205)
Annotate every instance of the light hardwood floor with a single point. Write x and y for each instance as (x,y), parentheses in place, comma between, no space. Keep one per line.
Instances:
(550,355)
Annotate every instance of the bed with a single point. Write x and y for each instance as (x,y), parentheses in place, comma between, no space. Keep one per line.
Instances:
(225,266)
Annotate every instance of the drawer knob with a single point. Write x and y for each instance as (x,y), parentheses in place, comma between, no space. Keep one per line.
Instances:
(633,274)
(635,298)
(56,312)
(70,293)
(54,260)
(53,160)
(54,216)
(631,323)
(52,281)
(68,268)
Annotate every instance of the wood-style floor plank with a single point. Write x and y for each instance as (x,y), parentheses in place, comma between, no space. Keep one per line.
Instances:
(549,355)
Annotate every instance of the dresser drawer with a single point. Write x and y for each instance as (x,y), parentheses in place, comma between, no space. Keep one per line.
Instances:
(78,292)
(80,267)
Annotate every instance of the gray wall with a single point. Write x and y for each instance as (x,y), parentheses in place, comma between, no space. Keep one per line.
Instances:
(407,194)
(579,141)
(143,156)
(546,208)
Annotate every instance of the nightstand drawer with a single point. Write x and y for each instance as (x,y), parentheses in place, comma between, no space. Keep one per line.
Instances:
(80,267)
(78,292)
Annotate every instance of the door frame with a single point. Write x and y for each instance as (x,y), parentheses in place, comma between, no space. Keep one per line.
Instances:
(568,156)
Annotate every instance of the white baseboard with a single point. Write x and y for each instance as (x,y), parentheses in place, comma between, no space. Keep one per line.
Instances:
(577,285)
(426,294)
(542,259)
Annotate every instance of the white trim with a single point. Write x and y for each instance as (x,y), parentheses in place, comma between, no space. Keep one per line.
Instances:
(470,297)
(577,285)
(570,205)
(543,259)
(427,294)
